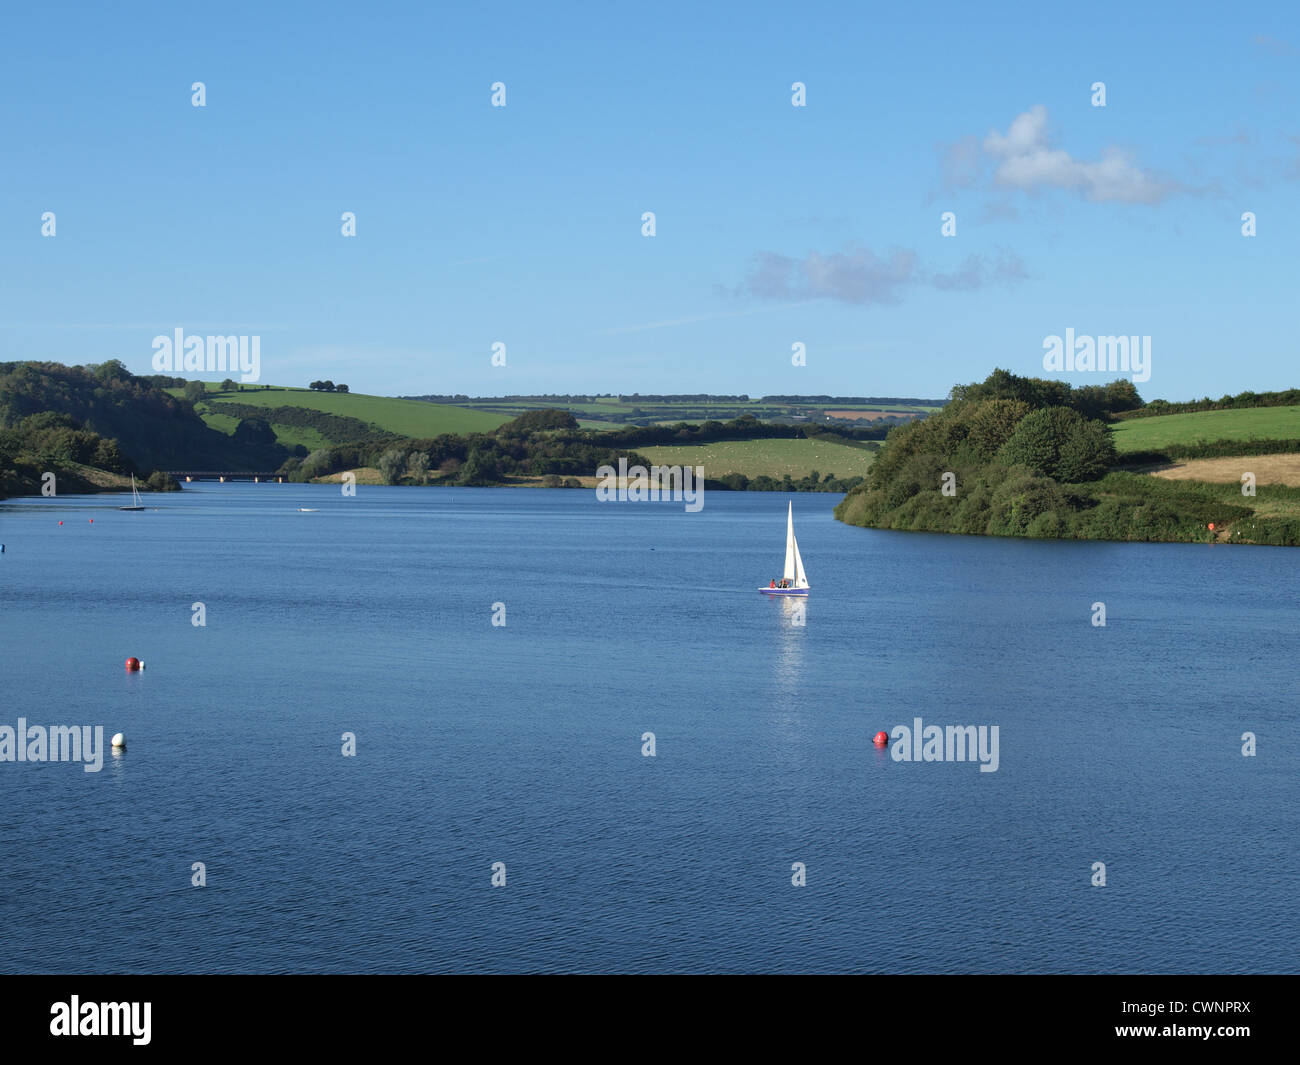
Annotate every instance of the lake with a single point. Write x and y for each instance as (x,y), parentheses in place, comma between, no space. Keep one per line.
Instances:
(522,743)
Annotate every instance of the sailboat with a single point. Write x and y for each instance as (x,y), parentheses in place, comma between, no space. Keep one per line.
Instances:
(136,502)
(793,580)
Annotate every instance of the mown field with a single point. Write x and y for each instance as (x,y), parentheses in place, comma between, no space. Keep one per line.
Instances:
(406,417)
(1148,434)
(773,458)
(1268,469)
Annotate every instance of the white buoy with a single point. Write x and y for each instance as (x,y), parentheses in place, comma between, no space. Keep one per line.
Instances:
(118,740)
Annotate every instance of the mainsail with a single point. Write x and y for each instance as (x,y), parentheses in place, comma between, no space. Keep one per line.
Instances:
(793,563)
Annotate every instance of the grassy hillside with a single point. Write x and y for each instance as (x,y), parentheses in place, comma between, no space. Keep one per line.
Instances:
(153,429)
(1262,423)
(1017,456)
(402,417)
(772,458)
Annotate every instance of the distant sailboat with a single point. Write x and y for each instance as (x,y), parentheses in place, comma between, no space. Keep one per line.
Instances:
(136,502)
(793,580)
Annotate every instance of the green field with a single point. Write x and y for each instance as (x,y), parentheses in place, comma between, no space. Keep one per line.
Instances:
(773,458)
(592,411)
(405,417)
(1151,434)
(288,435)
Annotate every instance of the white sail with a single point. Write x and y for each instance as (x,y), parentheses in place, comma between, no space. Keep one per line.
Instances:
(135,495)
(800,578)
(793,562)
(790,548)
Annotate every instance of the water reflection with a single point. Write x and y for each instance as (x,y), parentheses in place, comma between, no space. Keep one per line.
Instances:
(792,623)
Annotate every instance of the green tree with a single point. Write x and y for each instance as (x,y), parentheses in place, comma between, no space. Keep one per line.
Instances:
(1059,442)
(992,423)
(391,463)
(480,468)
(317,464)
(253,431)
(1086,453)
(112,370)
(194,391)
(417,467)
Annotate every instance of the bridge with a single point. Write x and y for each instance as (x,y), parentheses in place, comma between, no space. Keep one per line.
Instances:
(259,476)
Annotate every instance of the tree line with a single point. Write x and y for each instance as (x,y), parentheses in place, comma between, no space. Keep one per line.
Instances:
(548,444)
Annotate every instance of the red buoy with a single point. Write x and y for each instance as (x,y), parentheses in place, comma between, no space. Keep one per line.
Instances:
(132,664)
(882,738)
(60,523)
(1211,526)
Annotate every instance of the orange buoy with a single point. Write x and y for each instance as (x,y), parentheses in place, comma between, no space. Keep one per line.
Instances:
(132,664)
(1211,526)
(882,738)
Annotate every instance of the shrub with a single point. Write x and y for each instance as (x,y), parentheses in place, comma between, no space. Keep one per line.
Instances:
(1020,499)
(1059,442)
(1048,526)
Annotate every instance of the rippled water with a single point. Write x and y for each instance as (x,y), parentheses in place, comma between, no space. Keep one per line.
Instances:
(522,744)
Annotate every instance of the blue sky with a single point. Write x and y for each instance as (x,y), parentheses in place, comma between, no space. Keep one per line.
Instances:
(774,224)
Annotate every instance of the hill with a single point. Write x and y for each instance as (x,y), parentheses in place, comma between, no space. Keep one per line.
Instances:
(1203,427)
(153,429)
(315,419)
(1028,457)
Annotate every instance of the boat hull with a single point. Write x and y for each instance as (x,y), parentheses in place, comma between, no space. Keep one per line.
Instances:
(785,591)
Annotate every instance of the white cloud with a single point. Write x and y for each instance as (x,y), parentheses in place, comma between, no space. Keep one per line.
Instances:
(1025,159)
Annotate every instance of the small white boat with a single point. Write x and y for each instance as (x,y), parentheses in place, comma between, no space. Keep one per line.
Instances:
(307,510)
(136,502)
(793,579)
